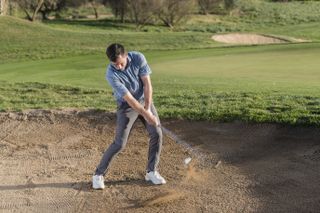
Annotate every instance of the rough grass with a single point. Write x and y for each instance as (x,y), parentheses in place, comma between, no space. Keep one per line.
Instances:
(296,19)
(279,13)
(214,106)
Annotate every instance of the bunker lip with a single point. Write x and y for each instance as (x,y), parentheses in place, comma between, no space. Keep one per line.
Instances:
(47,158)
(251,38)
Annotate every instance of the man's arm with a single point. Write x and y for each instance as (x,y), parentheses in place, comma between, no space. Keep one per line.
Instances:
(147,89)
(150,118)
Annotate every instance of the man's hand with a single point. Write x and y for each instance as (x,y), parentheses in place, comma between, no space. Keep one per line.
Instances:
(150,118)
(147,114)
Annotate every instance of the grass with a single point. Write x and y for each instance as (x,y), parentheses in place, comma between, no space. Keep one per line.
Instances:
(34,95)
(52,39)
(33,41)
(262,84)
(296,19)
(270,13)
(216,106)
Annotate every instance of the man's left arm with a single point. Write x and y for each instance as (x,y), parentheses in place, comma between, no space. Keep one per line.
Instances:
(147,89)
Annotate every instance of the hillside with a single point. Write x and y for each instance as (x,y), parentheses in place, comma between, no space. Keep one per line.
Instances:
(22,40)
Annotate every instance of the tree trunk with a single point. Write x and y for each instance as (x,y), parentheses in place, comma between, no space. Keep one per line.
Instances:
(96,13)
(166,22)
(3,7)
(35,12)
(95,10)
(28,15)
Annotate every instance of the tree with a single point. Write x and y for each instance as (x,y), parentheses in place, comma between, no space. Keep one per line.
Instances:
(94,4)
(119,8)
(206,6)
(142,11)
(3,7)
(30,7)
(173,12)
(45,7)
(50,6)
(229,4)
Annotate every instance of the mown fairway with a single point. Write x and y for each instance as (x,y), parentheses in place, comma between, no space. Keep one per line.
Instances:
(281,68)
(278,83)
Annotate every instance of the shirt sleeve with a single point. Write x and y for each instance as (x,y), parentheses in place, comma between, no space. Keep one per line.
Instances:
(144,67)
(117,86)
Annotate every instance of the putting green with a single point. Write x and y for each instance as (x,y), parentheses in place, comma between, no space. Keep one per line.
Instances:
(287,68)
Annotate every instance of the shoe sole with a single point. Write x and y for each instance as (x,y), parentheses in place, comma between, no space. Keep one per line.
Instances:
(98,188)
(149,180)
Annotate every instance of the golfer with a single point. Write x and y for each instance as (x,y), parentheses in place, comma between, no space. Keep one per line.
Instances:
(129,76)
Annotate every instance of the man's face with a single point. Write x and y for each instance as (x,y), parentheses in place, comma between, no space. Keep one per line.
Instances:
(120,63)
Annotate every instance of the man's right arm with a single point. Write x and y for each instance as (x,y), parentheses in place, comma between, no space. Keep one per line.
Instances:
(123,92)
(150,118)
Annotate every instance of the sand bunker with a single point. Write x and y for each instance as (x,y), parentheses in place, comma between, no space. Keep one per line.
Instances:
(241,38)
(47,159)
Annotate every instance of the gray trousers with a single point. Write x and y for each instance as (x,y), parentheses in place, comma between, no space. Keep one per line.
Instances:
(126,117)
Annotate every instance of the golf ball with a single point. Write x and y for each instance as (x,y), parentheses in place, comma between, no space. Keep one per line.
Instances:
(187,160)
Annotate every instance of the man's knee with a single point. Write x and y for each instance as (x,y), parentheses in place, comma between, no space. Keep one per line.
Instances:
(156,135)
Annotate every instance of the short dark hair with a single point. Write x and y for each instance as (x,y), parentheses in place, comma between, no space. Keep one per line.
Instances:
(114,51)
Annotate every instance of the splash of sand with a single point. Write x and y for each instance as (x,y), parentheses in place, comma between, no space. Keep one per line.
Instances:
(191,173)
(165,197)
(194,174)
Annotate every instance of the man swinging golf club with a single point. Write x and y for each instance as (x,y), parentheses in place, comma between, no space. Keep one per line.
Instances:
(128,74)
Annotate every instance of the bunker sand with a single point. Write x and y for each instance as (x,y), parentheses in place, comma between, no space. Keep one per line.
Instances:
(47,159)
(250,38)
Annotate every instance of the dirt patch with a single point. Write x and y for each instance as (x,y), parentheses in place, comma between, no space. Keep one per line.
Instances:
(241,38)
(47,159)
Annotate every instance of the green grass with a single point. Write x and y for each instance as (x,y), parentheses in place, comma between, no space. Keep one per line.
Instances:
(62,64)
(216,106)
(33,95)
(258,84)
(308,31)
(32,41)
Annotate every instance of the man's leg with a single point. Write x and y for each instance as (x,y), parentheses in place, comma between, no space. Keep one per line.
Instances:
(155,145)
(155,142)
(125,119)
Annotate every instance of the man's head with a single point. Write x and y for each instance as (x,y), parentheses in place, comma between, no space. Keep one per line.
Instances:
(117,56)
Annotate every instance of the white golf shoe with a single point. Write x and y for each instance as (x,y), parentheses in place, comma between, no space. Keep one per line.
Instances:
(97,182)
(155,178)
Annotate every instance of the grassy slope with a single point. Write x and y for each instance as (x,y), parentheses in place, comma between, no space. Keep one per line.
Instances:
(296,19)
(22,40)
